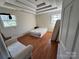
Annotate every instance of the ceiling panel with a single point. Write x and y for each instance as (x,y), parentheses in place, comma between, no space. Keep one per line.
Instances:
(45,5)
(36,5)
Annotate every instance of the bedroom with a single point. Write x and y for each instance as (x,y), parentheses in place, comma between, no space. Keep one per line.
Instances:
(25,22)
(31,27)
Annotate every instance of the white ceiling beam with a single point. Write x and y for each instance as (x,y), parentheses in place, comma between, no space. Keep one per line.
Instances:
(27,3)
(19,5)
(13,7)
(49,11)
(52,2)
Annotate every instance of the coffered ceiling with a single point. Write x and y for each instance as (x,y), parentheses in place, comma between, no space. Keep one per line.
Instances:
(33,6)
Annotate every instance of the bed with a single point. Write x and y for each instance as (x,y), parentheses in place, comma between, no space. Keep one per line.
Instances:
(38,32)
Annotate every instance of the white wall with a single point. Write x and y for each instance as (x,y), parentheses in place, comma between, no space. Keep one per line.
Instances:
(25,22)
(44,20)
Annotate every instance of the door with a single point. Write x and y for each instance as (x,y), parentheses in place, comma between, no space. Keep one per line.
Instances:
(69,28)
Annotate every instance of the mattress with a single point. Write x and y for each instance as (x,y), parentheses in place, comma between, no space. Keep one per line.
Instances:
(39,32)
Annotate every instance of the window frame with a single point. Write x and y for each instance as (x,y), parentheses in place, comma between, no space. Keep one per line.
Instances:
(51,21)
(2,22)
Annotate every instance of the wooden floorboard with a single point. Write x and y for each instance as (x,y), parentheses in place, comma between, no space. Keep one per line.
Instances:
(43,47)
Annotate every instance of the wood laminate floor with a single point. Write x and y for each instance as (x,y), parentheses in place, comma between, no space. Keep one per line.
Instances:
(43,47)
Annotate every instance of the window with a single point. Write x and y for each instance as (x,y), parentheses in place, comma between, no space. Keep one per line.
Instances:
(8,22)
(56,17)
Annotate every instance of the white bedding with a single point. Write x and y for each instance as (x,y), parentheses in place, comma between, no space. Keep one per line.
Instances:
(39,32)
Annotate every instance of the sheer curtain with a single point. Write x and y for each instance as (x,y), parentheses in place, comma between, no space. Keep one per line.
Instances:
(54,18)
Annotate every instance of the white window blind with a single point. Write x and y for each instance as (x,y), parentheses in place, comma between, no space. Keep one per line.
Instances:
(8,22)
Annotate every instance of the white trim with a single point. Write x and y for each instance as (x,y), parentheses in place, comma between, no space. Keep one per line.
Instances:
(44,9)
(49,11)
